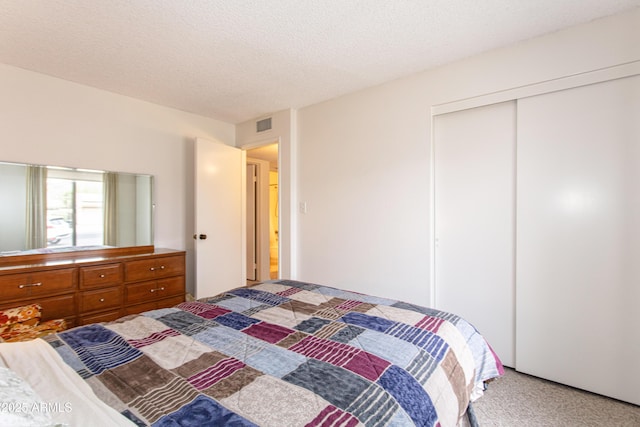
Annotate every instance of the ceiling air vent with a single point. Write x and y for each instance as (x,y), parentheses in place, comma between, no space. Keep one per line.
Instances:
(263,125)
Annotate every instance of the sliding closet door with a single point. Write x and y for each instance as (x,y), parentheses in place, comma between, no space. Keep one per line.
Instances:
(578,237)
(474,220)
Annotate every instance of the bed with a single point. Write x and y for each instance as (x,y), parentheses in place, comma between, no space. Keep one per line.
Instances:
(273,354)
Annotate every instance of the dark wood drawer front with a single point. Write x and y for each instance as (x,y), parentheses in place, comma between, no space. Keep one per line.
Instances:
(102,275)
(135,309)
(153,268)
(103,299)
(58,307)
(173,286)
(170,302)
(163,303)
(102,317)
(25,285)
(154,290)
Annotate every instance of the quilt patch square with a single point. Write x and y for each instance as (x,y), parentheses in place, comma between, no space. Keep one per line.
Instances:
(334,384)
(410,395)
(259,296)
(204,310)
(199,364)
(373,323)
(237,304)
(195,307)
(182,321)
(281,316)
(312,324)
(429,323)
(99,348)
(137,327)
(393,349)
(266,399)
(299,285)
(274,288)
(376,407)
(309,297)
(136,378)
(215,373)
(174,351)
(203,411)
(233,383)
(275,361)
(367,365)
(236,321)
(153,338)
(332,416)
(395,314)
(268,332)
(230,342)
(346,334)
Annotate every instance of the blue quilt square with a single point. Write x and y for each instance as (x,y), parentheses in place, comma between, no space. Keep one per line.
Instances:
(236,321)
(99,348)
(311,325)
(202,412)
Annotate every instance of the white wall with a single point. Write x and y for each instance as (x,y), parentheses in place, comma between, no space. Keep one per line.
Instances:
(364,160)
(45,120)
(283,131)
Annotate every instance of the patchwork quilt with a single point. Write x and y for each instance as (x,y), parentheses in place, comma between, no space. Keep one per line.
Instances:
(284,353)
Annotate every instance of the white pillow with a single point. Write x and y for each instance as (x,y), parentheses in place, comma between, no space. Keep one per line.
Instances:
(20,406)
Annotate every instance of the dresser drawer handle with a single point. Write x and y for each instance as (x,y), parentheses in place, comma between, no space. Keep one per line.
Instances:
(162,267)
(157,289)
(152,269)
(102,276)
(101,299)
(29,285)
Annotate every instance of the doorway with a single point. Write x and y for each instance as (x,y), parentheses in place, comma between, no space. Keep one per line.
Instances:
(263,213)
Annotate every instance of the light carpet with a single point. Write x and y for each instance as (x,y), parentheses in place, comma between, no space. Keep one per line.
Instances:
(518,399)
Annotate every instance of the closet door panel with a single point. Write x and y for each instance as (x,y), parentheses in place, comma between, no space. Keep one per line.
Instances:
(474,220)
(578,237)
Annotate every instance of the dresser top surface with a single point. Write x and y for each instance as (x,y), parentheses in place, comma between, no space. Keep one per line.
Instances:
(80,260)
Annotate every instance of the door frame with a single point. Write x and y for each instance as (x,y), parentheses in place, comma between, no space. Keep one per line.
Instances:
(262,218)
(258,144)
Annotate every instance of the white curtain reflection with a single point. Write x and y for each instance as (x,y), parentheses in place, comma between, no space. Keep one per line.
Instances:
(36,236)
(110,204)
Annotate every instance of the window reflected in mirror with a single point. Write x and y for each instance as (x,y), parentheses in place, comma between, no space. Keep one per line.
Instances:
(75,208)
(46,208)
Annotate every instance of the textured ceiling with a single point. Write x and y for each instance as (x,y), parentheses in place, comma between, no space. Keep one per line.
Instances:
(235,60)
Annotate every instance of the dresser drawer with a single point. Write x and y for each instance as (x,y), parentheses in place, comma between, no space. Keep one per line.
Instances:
(101,275)
(102,299)
(154,268)
(58,307)
(137,293)
(154,305)
(34,284)
(101,317)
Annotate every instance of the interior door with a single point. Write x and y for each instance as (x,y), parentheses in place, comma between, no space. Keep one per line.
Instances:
(475,220)
(220,217)
(579,237)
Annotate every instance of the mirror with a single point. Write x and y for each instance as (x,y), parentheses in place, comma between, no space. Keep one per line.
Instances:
(46,209)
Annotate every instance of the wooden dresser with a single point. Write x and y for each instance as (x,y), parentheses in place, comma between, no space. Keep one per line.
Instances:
(94,286)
